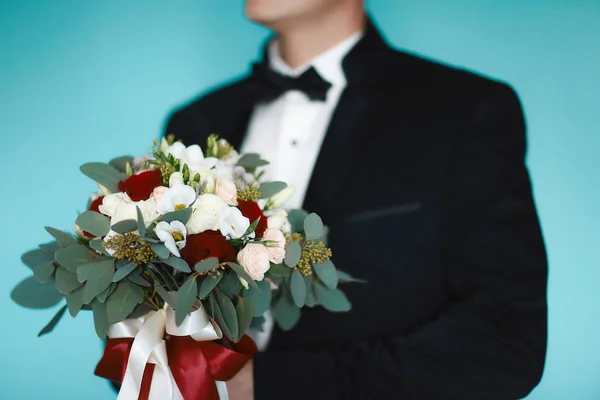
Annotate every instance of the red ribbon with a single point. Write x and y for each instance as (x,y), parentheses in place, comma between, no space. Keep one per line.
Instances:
(196,366)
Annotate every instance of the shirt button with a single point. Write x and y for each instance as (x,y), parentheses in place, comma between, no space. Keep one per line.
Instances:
(294,142)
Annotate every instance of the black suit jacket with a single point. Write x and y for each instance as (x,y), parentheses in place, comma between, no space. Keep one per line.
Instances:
(421,178)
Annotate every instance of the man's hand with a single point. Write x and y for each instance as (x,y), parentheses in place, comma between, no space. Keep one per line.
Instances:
(241,386)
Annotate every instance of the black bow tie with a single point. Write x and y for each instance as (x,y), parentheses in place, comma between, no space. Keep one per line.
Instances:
(270,84)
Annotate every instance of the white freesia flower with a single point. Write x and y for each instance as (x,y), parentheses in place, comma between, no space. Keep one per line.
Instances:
(222,170)
(206,178)
(206,213)
(191,155)
(177,197)
(278,219)
(173,235)
(280,198)
(111,202)
(233,224)
(176,178)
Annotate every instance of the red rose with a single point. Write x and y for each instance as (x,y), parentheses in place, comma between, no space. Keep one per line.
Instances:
(207,244)
(139,187)
(252,211)
(95,205)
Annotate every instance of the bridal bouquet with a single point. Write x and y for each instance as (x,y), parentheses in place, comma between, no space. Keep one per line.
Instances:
(180,253)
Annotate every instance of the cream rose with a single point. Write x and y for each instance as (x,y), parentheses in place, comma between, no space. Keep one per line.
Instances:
(158,193)
(227,191)
(276,253)
(206,213)
(112,202)
(254,258)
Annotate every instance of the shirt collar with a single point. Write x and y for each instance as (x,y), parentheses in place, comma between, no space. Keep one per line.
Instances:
(328,64)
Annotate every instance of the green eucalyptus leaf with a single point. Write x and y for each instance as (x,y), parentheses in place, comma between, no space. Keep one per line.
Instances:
(104,174)
(137,279)
(43,273)
(73,256)
(296,218)
(327,273)
(65,281)
(30,293)
(96,244)
(242,273)
(346,278)
(251,161)
(141,225)
(206,265)
(208,284)
(120,163)
(63,239)
(260,297)
(293,252)
(94,223)
(298,289)
(245,312)
(123,301)
(286,313)
(75,301)
(123,272)
(100,319)
(186,297)
(182,215)
(36,258)
(50,326)
(125,226)
(313,227)
(84,270)
(252,227)
(332,300)
(215,312)
(230,285)
(50,247)
(311,301)
(280,270)
(177,263)
(160,250)
(229,315)
(140,310)
(270,189)
(166,296)
(102,297)
(99,279)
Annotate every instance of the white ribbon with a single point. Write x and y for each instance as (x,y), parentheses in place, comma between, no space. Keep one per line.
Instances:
(149,347)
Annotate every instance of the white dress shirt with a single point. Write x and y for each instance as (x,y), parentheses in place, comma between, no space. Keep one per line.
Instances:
(289,131)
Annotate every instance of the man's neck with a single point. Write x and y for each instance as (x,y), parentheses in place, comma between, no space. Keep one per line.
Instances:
(300,44)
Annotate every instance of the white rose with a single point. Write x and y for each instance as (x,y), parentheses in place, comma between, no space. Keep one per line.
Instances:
(206,213)
(148,210)
(280,198)
(111,202)
(278,219)
(254,258)
(233,224)
(176,178)
(276,253)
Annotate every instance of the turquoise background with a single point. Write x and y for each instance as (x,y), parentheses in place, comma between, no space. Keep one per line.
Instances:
(87,80)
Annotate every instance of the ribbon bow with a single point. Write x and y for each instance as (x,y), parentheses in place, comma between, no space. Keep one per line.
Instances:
(187,365)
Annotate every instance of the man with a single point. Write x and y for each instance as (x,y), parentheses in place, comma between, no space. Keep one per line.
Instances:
(418,169)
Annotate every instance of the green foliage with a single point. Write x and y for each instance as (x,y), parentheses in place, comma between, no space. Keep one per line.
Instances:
(270,189)
(123,301)
(293,253)
(120,163)
(228,318)
(50,326)
(251,161)
(182,215)
(96,244)
(94,223)
(100,319)
(41,263)
(296,218)
(206,265)
(245,311)
(141,225)
(65,281)
(160,250)
(98,280)
(73,256)
(123,272)
(125,226)
(344,277)
(177,263)
(208,284)
(332,300)
(280,270)
(242,274)
(63,239)
(298,289)
(104,174)
(260,297)
(313,227)
(186,297)
(327,274)
(75,301)
(286,313)
(30,293)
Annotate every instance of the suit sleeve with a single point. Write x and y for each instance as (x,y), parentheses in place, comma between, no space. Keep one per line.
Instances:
(490,342)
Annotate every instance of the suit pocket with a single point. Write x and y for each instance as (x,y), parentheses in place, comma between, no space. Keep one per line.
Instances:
(384,212)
